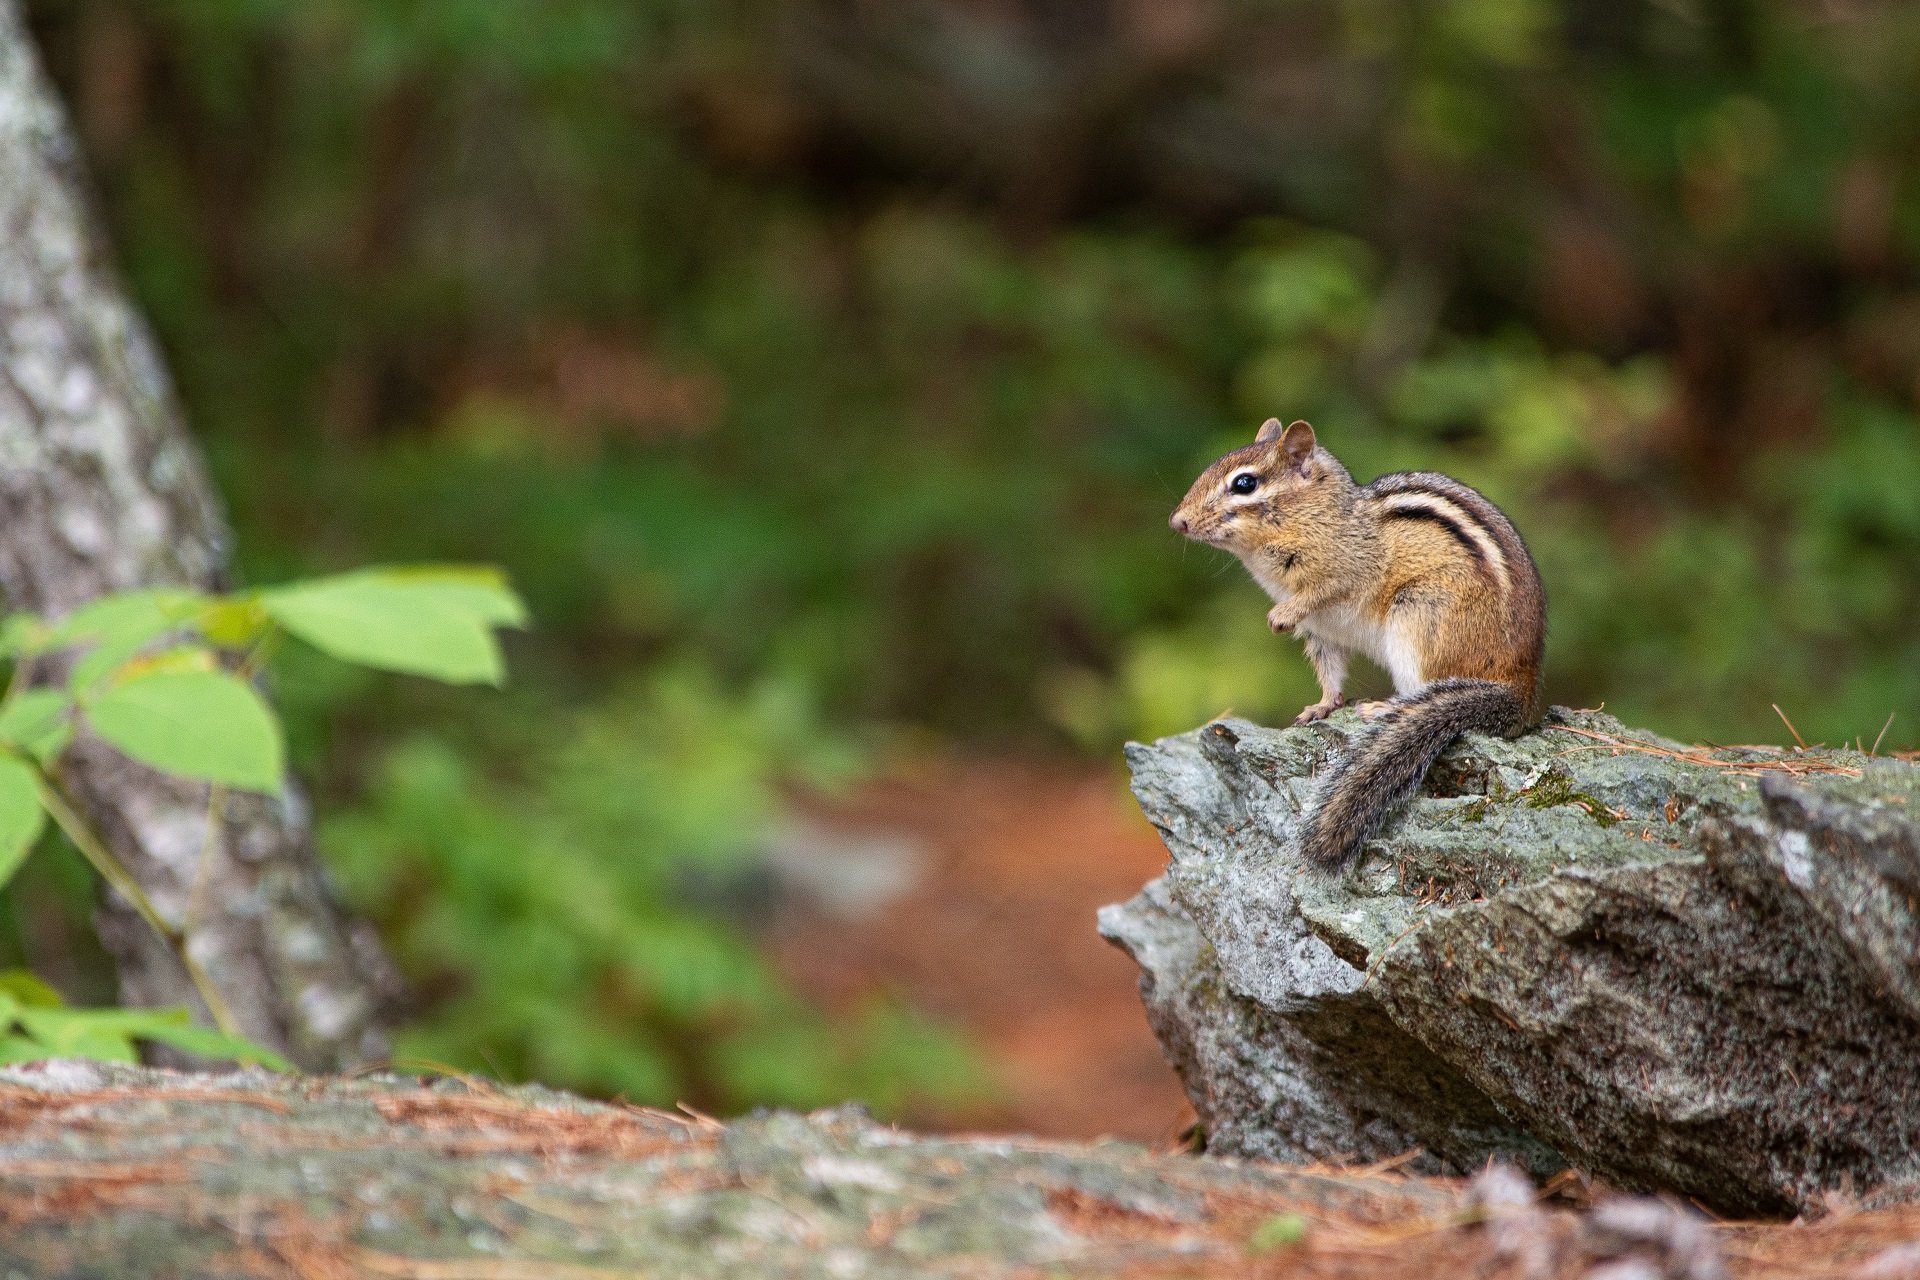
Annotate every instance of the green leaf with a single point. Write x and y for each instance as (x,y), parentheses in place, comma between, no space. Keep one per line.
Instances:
(124,613)
(104,1028)
(23,986)
(435,622)
(38,722)
(24,634)
(219,1045)
(119,626)
(478,589)
(200,724)
(80,1033)
(233,622)
(21,817)
(185,657)
(16,1049)
(110,1022)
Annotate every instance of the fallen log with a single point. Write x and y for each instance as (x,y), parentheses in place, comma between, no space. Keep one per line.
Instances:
(109,1170)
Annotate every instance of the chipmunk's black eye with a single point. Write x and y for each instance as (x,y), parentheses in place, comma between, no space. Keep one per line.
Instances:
(1245,482)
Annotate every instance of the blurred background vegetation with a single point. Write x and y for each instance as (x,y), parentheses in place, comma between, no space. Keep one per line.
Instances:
(823,373)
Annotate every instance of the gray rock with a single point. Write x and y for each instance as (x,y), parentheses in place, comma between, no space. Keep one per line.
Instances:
(1683,971)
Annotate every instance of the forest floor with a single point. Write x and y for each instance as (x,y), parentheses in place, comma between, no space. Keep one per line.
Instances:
(994,934)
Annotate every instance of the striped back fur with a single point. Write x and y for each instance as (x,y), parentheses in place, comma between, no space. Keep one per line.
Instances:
(1493,546)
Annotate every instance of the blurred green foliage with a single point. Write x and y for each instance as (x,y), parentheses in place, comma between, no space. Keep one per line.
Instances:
(555,915)
(850,357)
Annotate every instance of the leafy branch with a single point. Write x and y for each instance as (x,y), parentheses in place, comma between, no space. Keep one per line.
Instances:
(166,677)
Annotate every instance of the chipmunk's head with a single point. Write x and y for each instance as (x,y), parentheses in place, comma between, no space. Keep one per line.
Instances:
(1239,500)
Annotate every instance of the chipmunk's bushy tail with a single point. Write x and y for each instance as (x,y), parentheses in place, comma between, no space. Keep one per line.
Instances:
(1387,765)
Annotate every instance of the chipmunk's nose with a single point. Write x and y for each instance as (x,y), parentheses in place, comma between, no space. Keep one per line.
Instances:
(1179,523)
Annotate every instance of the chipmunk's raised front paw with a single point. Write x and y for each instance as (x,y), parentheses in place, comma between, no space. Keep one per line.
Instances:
(1281,619)
(1320,710)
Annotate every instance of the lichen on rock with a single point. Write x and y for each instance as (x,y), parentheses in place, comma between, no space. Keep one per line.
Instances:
(1684,970)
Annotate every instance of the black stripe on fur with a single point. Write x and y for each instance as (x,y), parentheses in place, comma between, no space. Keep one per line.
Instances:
(1442,519)
(1387,765)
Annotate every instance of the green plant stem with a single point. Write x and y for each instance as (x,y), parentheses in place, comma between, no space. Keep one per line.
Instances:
(95,851)
(248,670)
(216,825)
(262,650)
(22,677)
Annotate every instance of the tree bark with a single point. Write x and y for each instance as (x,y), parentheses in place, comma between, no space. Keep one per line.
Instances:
(101,490)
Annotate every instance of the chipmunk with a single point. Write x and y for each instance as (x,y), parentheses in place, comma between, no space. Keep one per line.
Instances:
(1418,572)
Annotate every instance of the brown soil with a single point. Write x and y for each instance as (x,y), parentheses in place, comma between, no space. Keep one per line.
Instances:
(998,938)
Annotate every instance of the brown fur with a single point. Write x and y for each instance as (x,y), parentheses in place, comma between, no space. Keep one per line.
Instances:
(1416,571)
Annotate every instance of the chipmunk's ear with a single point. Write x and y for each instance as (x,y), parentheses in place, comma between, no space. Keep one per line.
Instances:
(1296,443)
(1269,430)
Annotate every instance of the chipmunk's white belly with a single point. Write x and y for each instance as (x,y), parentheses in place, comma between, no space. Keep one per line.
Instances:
(1345,626)
(1269,581)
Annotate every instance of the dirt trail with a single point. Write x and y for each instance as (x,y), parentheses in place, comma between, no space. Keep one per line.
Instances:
(997,936)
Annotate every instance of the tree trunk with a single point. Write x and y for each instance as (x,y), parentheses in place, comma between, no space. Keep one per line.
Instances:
(101,490)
